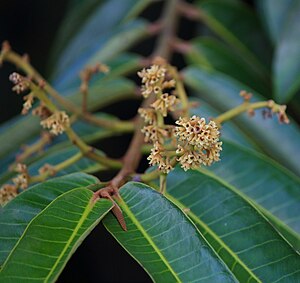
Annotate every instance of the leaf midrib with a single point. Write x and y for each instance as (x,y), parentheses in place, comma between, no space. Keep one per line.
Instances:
(197,220)
(85,214)
(127,210)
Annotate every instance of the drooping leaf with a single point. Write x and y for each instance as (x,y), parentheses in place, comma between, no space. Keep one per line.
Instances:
(53,236)
(274,15)
(270,187)
(246,37)
(242,237)
(102,17)
(109,45)
(213,54)
(286,68)
(223,92)
(16,215)
(163,240)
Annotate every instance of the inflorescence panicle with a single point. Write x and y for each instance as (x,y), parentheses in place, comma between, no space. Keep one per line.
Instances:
(197,142)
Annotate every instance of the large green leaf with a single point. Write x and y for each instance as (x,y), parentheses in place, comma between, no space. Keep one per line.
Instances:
(93,20)
(223,92)
(274,15)
(238,26)
(270,187)
(213,54)
(286,67)
(242,237)
(16,215)
(163,240)
(53,236)
(104,48)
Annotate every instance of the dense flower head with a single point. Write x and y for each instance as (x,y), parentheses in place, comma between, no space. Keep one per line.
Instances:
(198,142)
(195,131)
(57,123)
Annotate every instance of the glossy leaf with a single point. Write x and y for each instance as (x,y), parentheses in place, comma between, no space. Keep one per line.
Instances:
(274,15)
(286,67)
(242,237)
(104,48)
(17,214)
(270,187)
(163,240)
(213,54)
(246,37)
(223,92)
(53,236)
(102,17)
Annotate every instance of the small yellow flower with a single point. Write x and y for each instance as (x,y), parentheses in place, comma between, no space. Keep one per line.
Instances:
(7,193)
(165,103)
(57,123)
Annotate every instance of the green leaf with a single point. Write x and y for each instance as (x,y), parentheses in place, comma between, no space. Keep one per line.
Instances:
(16,215)
(246,37)
(53,236)
(90,20)
(213,54)
(109,45)
(223,93)
(274,15)
(242,237)
(163,240)
(273,189)
(286,66)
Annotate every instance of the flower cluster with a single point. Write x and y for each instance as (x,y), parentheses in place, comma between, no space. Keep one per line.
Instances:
(21,84)
(21,180)
(57,122)
(198,142)
(7,193)
(156,81)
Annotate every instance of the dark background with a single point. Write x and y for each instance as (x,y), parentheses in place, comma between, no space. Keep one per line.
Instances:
(30,26)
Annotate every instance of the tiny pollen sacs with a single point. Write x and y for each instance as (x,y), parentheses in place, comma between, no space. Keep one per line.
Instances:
(193,142)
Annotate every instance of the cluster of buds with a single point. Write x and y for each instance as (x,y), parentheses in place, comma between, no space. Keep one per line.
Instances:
(22,179)
(198,142)
(156,81)
(7,193)
(56,123)
(279,110)
(21,84)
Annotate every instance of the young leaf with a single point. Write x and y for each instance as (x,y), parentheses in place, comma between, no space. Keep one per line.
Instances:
(16,215)
(53,236)
(223,92)
(163,240)
(242,237)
